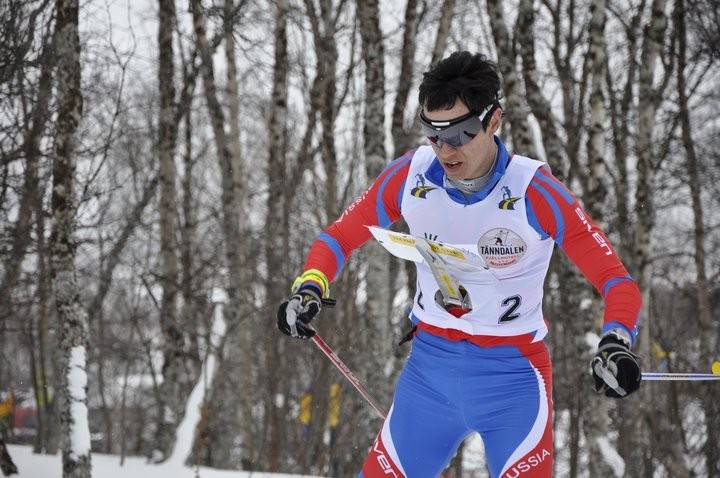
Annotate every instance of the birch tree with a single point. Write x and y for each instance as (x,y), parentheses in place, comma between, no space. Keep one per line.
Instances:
(231,213)
(539,104)
(653,38)
(620,99)
(402,139)
(228,415)
(277,219)
(171,392)
(73,318)
(596,416)
(708,336)
(379,298)
(517,110)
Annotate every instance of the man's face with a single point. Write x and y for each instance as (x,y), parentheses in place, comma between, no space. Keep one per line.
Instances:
(473,159)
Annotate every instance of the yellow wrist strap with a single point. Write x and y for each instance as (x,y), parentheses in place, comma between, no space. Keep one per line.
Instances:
(315,276)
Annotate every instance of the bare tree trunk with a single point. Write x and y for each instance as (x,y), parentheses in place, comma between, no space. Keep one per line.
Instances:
(376,319)
(169,400)
(707,328)
(276,245)
(242,338)
(48,433)
(596,415)
(73,330)
(402,138)
(620,120)
(326,48)
(441,40)
(633,429)
(232,211)
(539,105)
(517,111)
(7,466)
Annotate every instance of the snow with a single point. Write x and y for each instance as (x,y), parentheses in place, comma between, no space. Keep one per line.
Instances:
(611,456)
(592,340)
(108,466)
(185,433)
(77,387)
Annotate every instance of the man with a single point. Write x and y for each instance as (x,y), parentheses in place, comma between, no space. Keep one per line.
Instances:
(481,365)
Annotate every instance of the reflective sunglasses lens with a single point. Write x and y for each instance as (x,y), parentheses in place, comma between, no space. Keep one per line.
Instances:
(454,141)
(454,135)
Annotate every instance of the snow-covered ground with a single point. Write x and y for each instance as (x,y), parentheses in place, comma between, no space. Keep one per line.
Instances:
(108,466)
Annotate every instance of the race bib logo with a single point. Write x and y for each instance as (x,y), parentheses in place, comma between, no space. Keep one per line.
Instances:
(501,248)
(508,202)
(420,190)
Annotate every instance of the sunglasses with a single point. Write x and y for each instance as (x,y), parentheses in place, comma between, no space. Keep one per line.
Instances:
(455,132)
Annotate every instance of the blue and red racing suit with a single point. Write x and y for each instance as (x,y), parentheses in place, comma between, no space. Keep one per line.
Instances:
(488,370)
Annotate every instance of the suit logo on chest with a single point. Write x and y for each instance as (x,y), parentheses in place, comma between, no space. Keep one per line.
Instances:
(501,247)
(508,202)
(420,190)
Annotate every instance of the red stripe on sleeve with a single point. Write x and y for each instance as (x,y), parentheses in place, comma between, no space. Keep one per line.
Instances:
(350,230)
(587,247)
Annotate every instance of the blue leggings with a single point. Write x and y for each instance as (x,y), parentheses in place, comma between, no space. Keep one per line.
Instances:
(449,390)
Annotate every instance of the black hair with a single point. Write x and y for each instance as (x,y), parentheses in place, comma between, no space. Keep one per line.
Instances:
(470,78)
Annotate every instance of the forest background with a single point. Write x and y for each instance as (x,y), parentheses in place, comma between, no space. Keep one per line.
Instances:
(153,153)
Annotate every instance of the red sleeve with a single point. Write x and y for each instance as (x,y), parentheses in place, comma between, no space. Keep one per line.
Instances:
(378,206)
(557,212)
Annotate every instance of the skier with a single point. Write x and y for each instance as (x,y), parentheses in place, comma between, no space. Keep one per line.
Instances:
(482,367)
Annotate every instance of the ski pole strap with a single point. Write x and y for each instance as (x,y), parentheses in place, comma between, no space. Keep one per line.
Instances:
(408,336)
(607,371)
(661,376)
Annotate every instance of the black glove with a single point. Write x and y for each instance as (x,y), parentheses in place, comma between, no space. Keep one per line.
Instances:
(294,315)
(615,369)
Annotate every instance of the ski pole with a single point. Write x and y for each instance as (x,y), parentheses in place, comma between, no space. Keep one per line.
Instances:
(348,374)
(660,376)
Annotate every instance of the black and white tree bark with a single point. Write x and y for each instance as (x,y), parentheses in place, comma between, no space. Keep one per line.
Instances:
(73,329)
(634,431)
(231,213)
(539,104)
(707,329)
(378,313)
(229,414)
(277,220)
(515,105)
(170,398)
(596,415)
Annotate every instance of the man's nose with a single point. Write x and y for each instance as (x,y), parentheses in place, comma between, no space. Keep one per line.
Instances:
(447,148)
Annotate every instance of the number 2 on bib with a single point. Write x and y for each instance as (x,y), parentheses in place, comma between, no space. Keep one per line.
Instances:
(512,303)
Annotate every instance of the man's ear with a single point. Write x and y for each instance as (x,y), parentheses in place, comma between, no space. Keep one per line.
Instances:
(495,120)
